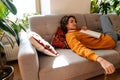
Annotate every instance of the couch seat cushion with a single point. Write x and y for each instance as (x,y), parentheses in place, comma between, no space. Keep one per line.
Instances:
(69,65)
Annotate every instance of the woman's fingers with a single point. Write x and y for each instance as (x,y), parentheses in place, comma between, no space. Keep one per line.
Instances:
(110,69)
(84,27)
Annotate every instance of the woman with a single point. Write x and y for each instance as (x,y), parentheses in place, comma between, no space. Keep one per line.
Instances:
(82,44)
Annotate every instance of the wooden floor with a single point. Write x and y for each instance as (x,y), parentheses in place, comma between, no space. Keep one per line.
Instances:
(17,76)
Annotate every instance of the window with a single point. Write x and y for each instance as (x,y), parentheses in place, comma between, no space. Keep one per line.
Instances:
(25,6)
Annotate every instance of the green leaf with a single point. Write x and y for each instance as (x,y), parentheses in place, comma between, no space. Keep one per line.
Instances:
(17,39)
(3,10)
(4,26)
(22,27)
(94,6)
(10,6)
(10,40)
(16,27)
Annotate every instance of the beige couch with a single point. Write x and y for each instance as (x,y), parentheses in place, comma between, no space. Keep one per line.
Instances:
(68,65)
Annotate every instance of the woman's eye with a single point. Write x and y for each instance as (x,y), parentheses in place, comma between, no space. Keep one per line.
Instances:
(71,21)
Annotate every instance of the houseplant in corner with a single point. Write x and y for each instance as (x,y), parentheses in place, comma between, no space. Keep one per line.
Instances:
(94,8)
(115,4)
(105,6)
(102,7)
(7,28)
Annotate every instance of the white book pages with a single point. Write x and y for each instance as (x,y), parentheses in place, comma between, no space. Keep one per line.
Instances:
(91,33)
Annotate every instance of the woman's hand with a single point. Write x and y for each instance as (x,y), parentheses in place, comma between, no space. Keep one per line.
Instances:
(84,27)
(107,66)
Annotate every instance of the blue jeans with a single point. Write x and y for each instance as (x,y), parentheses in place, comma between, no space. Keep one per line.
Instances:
(108,28)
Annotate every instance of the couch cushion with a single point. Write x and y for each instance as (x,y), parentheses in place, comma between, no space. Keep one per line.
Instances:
(115,20)
(69,65)
(41,45)
(93,21)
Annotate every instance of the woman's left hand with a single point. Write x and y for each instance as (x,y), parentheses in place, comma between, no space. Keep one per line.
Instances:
(84,27)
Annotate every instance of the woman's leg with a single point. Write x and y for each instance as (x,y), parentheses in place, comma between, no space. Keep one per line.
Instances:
(107,27)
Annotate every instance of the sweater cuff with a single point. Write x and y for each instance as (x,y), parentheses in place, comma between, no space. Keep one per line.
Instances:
(93,57)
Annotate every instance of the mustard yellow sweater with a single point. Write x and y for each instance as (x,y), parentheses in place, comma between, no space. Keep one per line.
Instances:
(82,44)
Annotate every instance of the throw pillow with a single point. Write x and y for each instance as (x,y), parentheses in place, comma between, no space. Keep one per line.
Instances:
(58,40)
(41,45)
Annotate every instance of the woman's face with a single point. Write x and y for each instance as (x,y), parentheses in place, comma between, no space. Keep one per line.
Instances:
(72,25)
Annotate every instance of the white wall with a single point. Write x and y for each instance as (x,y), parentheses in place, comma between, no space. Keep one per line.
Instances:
(65,6)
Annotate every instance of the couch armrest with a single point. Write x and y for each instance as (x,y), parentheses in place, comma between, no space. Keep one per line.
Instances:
(27,59)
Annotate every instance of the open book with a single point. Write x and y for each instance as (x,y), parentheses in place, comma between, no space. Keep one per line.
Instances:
(91,33)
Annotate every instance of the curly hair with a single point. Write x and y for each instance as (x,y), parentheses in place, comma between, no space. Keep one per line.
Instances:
(64,22)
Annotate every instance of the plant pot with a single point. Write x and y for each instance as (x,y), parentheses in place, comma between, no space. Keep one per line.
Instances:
(7,73)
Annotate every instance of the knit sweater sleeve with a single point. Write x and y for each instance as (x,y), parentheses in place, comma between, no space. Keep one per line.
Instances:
(79,48)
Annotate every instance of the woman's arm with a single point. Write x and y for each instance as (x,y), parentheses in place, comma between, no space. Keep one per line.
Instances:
(79,48)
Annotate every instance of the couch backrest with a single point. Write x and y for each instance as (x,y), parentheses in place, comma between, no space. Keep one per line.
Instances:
(47,25)
(115,20)
(93,22)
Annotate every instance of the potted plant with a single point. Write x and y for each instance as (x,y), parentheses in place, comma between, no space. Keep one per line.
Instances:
(7,28)
(115,4)
(94,6)
(105,6)
(102,7)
